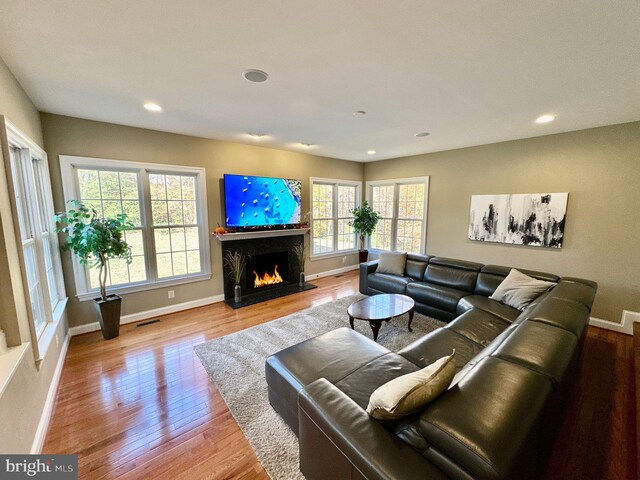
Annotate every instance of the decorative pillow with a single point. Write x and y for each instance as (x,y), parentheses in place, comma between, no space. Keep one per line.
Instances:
(518,290)
(411,393)
(393,263)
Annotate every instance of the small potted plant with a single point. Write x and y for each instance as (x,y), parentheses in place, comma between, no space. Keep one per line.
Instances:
(95,241)
(301,255)
(235,262)
(364,223)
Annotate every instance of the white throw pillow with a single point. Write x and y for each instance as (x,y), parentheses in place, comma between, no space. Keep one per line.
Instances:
(518,290)
(411,393)
(392,262)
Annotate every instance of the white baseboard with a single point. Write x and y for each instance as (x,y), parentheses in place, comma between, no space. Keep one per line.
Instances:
(625,326)
(329,273)
(139,316)
(47,411)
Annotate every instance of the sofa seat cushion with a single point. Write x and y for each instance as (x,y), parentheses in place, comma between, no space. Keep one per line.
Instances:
(481,302)
(388,283)
(438,344)
(542,348)
(363,381)
(487,424)
(478,326)
(331,355)
(444,298)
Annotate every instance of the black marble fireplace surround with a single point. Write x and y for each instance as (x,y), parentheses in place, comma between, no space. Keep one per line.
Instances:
(257,252)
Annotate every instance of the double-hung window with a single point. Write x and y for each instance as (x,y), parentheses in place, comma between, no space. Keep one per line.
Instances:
(331,205)
(402,205)
(167,206)
(38,241)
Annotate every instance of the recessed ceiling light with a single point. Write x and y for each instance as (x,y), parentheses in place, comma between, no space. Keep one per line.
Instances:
(546,118)
(422,134)
(359,112)
(153,107)
(256,136)
(371,152)
(306,145)
(255,76)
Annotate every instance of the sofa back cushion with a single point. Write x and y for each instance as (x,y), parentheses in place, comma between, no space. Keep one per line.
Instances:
(457,274)
(416,265)
(392,263)
(491,276)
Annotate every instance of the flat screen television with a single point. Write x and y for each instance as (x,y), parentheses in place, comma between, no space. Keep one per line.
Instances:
(251,201)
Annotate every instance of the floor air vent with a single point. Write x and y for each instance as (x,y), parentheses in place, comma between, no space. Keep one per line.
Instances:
(148,322)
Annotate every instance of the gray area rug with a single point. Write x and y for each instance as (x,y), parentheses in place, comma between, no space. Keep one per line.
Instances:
(235,363)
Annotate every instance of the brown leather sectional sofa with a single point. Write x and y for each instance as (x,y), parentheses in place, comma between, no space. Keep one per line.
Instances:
(497,418)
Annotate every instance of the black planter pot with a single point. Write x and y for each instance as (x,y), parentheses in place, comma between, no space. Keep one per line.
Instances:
(109,315)
(363,255)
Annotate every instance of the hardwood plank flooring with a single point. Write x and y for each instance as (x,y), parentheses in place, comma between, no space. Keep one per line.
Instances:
(142,405)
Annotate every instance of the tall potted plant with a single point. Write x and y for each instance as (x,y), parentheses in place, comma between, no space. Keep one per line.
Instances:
(301,255)
(364,222)
(235,262)
(95,241)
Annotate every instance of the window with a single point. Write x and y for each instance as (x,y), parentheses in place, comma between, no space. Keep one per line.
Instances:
(39,243)
(166,204)
(402,205)
(331,205)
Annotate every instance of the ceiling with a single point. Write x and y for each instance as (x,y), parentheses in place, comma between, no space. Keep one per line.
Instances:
(469,73)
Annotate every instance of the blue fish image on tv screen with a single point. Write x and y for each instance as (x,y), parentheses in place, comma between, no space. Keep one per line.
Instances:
(261,201)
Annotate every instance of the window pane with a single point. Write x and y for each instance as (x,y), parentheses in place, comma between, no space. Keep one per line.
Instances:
(163,261)
(180,263)
(188,188)
(192,238)
(160,213)
(129,186)
(89,184)
(322,201)
(411,201)
(161,236)
(381,237)
(157,187)
(177,239)
(346,235)
(322,236)
(193,261)
(346,200)
(174,188)
(382,200)
(35,288)
(109,185)
(409,236)
(137,269)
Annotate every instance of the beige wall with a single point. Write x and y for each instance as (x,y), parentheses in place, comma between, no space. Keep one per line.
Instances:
(17,107)
(600,168)
(23,401)
(73,136)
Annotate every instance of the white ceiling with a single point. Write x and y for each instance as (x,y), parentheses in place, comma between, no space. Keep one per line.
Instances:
(469,72)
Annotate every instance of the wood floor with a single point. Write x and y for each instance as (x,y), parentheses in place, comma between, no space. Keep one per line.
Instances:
(142,405)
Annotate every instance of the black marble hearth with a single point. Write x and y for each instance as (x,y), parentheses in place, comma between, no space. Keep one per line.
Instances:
(262,254)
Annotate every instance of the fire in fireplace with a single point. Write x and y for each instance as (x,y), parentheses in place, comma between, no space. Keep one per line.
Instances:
(267,269)
(267,278)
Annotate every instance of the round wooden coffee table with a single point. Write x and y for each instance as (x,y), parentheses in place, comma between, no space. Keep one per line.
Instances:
(381,308)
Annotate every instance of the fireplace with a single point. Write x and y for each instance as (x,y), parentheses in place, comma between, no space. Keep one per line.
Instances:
(270,256)
(266,270)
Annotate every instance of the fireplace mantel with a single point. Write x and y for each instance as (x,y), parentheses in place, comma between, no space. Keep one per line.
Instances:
(261,234)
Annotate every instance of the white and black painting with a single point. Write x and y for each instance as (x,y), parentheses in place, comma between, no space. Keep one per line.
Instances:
(534,219)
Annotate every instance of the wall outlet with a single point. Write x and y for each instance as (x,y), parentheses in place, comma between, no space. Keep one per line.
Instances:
(344,259)
(171,294)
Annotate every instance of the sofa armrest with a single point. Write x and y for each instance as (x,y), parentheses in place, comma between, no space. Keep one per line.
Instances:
(339,440)
(365,269)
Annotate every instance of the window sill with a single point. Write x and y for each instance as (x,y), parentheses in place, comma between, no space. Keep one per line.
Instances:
(9,363)
(340,253)
(86,296)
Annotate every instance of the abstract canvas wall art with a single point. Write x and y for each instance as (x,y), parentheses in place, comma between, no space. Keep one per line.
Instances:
(534,219)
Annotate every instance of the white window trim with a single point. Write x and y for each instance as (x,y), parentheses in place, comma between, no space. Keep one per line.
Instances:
(336,182)
(394,222)
(70,186)
(41,340)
